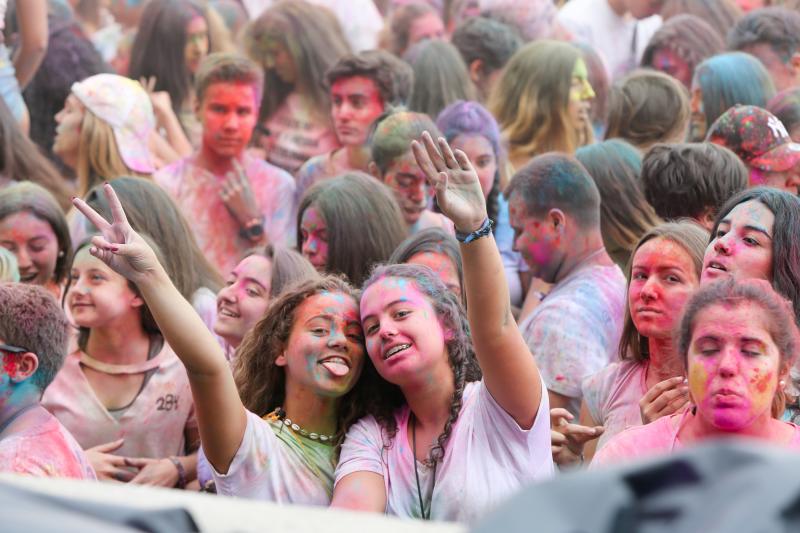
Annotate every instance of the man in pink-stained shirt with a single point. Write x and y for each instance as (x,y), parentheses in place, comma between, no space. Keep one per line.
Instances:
(33,342)
(232,201)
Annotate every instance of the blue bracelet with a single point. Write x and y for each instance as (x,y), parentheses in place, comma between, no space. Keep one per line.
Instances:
(483,231)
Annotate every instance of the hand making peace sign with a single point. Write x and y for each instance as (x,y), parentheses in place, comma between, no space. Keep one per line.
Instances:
(118,246)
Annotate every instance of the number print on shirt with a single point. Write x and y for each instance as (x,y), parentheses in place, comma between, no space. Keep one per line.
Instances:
(167,402)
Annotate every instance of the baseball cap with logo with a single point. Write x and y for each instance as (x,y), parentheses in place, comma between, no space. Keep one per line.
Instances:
(125,106)
(757,137)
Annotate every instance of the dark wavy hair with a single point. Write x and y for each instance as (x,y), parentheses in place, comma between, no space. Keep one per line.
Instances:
(392,76)
(785,244)
(684,180)
(364,223)
(158,49)
(262,383)
(312,36)
(385,398)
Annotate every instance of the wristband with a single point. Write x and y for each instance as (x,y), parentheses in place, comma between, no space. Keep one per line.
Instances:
(483,231)
(181,472)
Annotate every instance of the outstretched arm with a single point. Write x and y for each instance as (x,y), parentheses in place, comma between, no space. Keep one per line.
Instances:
(221,417)
(32,19)
(509,370)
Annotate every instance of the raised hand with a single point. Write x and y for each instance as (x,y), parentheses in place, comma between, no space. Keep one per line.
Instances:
(458,190)
(118,246)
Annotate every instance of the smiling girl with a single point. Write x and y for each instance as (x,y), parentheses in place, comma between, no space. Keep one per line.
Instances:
(33,228)
(293,396)
(250,287)
(440,442)
(122,389)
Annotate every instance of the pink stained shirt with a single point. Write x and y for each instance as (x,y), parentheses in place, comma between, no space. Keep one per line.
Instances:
(612,397)
(197,193)
(487,459)
(575,331)
(45,449)
(153,425)
(656,438)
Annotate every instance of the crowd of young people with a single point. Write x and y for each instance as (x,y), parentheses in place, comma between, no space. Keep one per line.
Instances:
(400,257)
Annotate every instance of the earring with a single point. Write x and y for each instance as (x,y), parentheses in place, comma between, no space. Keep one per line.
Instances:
(782,384)
(61,253)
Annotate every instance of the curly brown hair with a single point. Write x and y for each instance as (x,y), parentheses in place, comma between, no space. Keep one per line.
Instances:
(385,398)
(262,383)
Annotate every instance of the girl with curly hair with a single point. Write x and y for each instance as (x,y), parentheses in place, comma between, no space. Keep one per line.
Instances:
(293,393)
(440,442)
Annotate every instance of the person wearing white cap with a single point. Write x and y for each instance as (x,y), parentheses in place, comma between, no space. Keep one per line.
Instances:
(104,130)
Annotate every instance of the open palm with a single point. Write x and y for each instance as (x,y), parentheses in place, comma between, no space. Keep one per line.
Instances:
(118,246)
(458,190)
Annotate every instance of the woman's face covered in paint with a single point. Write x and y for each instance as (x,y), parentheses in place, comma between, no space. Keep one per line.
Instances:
(734,366)
(581,95)
(325,350)
(742,246)
(244,299)
(405,339)
(663,279)
(34,243)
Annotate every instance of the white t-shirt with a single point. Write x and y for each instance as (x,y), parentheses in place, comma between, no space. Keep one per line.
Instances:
(292,469)
(487,459)
(596,24)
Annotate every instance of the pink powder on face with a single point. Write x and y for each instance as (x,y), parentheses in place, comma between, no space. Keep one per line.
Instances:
(733,364)
(10,361)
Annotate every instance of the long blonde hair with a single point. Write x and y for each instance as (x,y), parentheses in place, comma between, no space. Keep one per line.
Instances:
(99,158)
(531,99)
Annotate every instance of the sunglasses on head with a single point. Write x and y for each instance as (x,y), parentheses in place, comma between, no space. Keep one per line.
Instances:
(12,349)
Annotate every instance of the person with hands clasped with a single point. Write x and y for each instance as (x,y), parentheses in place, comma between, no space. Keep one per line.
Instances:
(648,381)
(122,392)
(440,442)
(271,431)
(235,201)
